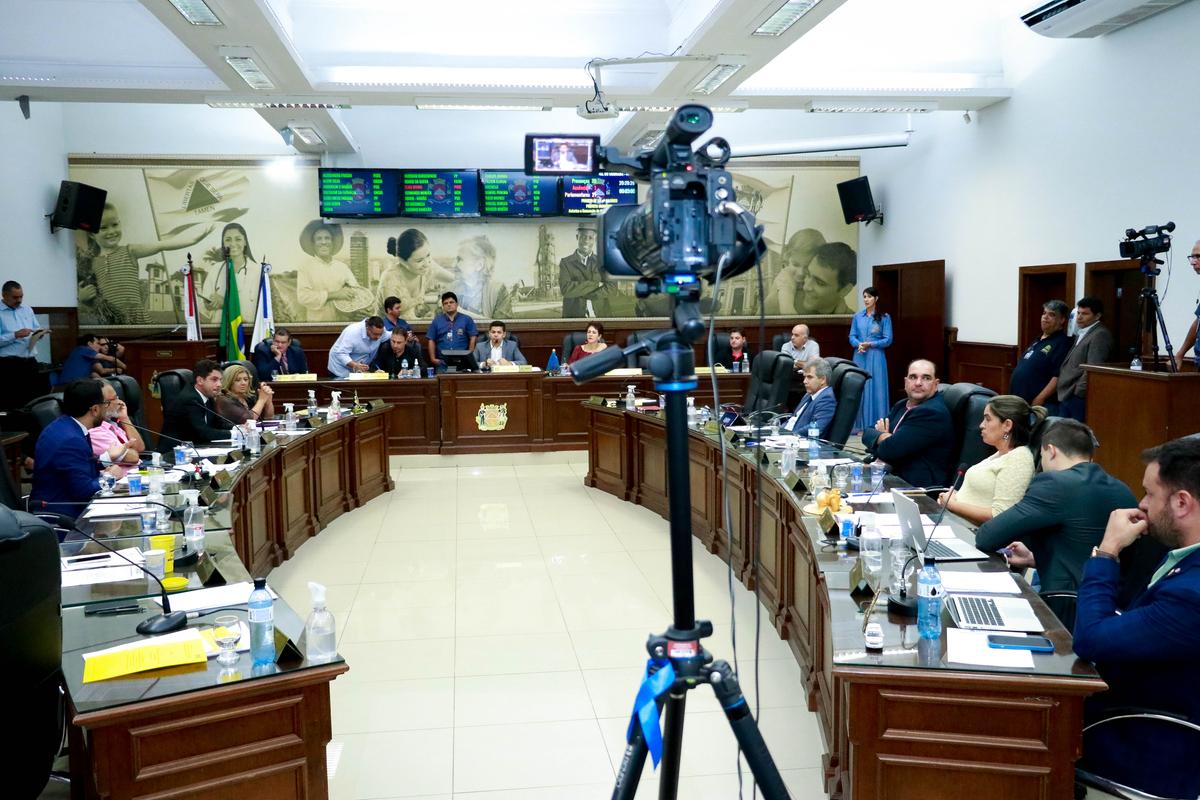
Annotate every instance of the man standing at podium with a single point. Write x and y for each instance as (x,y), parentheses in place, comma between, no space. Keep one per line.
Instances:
(1189,341)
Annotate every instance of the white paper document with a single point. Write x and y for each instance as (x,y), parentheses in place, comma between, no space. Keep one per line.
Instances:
(894,532)
(971,647)
(209,452)
(97,560)
(829,462)
(967,582)
(101,508)
(87,577)
(235,594)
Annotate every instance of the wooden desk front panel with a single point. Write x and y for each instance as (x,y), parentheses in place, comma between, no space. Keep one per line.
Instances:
(463,397)
(650,464)
(609,466)
(296,509)
(369,455)
(256,538)
(769,573)
(331,485)
(704,465)
(415,426)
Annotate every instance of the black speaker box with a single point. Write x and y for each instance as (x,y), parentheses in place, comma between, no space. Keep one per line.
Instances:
(79,207)
(857,203)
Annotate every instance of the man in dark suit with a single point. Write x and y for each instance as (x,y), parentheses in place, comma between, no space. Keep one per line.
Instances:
(585,292)
(1093,345)
(278,355)
(819,405)
(1064,511)
(65,471)
(193,416)
(401,346)
(1147,655)
(917,436)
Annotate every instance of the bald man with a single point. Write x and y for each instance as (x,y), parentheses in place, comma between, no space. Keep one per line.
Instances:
(801,348)
(1189,341)
(917,435)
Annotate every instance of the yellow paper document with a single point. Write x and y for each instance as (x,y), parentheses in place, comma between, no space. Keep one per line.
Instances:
(144,656)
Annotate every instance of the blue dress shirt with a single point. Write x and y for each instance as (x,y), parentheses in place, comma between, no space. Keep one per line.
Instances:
(11,321)
(352,344)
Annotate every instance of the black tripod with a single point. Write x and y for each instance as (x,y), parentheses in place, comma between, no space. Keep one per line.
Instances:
(1149,309)
(678,662)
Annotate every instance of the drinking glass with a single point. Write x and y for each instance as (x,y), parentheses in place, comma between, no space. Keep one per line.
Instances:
(841,476)
(107,482)
(227,629)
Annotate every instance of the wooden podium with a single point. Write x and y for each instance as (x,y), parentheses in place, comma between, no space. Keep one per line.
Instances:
(1130,410)
(145,357)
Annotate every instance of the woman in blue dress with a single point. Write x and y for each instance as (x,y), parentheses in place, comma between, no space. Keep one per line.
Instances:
(870,334)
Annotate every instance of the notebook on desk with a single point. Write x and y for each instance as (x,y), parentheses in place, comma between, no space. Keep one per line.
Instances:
(913,530)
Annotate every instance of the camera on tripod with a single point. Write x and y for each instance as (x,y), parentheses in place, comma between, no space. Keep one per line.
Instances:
(690,226)
(1146,243)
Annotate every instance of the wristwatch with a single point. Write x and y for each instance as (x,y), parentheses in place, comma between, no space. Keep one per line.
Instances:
(1098,553)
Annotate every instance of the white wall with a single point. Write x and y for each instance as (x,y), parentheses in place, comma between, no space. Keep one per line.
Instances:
(1099,136)
(33,163)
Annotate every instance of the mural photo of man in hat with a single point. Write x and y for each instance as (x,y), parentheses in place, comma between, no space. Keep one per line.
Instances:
(322,280)
(585,290)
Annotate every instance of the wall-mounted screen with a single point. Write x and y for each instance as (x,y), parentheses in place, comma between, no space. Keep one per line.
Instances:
(512,193)
(358,193)
(440,192)
(590,196)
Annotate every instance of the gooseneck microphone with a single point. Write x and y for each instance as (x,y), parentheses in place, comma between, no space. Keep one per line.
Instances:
(166,622)
(904,605)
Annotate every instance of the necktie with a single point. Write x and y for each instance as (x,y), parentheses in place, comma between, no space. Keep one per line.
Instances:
(283,364)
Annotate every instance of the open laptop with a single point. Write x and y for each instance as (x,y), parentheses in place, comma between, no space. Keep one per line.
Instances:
(983,612)
(953,549)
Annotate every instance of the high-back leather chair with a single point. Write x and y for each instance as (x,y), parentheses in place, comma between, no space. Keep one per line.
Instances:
(1035,440)
(249,365)
(570,342)
(127,388)
(641,359)
(778,340)
(848,381)
(966,402)
(30,649)
(44,410)
(770,379)
(171,382)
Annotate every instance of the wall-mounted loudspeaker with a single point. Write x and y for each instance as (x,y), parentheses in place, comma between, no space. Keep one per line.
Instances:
(79,206)
(857,203)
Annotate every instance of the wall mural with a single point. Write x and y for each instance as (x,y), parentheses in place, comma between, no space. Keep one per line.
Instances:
(159,210)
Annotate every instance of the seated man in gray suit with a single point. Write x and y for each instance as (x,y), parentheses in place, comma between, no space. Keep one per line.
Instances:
(497,350)
(1093,345)
(819,403)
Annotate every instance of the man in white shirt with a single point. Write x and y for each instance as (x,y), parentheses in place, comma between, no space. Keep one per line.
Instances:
(498,349)
(801,348)
(355,347)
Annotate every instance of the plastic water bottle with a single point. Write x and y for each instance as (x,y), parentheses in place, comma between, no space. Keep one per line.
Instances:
(929,603)
(312,403)
(404,368)
(552,364)
(788,463)
(856,476)
(630,400)
(319,631)
(870,550)
(262,623)
(691,412)
(1136,364)
(814,433)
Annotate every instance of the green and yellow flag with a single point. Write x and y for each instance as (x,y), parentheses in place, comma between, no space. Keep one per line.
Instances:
(232,338)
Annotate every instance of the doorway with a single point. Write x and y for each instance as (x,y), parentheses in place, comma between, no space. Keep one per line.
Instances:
(1118,285)
(914,294)
(1036,287)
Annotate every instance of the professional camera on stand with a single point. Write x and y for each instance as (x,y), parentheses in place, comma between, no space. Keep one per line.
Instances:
(690,229)
(1144,245)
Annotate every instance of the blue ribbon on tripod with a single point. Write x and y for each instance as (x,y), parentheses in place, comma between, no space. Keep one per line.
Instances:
(645,709)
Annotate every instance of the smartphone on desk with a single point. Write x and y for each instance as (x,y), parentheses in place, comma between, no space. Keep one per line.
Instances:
(1038,644)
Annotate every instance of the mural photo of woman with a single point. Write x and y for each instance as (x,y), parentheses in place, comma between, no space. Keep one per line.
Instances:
(322,280)
(473,270)
(210,294)
(116,289)
(414,277)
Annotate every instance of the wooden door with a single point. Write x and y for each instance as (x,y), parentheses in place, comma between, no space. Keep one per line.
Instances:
(915,296)
(1118,285)
(1036,287)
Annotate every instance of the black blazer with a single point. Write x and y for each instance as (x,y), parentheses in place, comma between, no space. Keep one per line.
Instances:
(922,447)
(266,366)
(191,419)
(390,363)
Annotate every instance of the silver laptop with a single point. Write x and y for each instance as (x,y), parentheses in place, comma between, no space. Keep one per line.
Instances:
(913,529)
(982,612)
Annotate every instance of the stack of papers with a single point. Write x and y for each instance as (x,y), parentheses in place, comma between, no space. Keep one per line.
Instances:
(184,647)
(235,594)
(971,647)
(103,508)
(88,577)
(967,582)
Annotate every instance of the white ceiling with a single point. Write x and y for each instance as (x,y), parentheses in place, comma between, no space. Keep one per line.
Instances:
(398,52)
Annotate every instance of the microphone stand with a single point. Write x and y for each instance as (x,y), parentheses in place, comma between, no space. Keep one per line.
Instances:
(905,605)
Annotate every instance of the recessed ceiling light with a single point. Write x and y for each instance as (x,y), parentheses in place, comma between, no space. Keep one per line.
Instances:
(715,77)
(307,134)
(242,60)
(788,15)
(27,78)
(485,104)
(216,101)
(867,107)
(196,12)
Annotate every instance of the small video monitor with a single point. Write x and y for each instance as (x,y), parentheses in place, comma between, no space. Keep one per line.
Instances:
(460,361)
(561,154)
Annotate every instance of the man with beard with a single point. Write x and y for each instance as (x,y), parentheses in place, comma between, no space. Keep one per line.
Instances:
(1147,654)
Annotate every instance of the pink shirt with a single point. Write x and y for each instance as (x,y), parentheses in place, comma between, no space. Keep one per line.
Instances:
(104,436)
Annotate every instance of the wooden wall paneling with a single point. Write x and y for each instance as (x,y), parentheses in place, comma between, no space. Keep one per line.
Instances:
(989,365)
(1036,286)
(64,330)
(914,294)
(144,358)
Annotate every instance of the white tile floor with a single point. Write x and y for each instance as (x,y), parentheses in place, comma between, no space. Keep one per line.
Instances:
(494,612)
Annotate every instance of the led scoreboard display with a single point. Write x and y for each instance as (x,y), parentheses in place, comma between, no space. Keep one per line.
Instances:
(589,196)
(358,193)
(512,193)
(440,193)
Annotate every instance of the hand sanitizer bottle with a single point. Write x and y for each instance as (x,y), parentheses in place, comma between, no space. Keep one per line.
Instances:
(335,405)
(630,400)
(312,403)
(320,634)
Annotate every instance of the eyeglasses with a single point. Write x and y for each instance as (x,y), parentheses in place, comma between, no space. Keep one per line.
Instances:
(1194,257)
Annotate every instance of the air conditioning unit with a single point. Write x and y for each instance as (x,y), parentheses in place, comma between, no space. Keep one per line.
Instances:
(1085,19)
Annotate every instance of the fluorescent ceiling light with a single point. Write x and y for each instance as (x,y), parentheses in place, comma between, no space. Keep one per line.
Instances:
(242,60)
(716,76)
(464,77)
(788,15)
(726,106)
(871,107)
(27,78)
(217,101)
(649,139)
(485,104)
(196,12)
(307,134)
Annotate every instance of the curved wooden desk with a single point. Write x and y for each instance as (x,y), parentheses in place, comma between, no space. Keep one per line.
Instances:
(903,724)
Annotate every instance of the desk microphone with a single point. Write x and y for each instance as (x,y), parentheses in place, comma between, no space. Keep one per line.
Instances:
(904,605)
(166,622)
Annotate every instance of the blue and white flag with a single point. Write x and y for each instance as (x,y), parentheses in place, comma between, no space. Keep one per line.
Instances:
(264,317)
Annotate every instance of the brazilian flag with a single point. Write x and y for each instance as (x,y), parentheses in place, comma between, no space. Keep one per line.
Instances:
(232,339)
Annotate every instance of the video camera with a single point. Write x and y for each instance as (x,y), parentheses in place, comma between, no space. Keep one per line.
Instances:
(690,226)
(1148,242)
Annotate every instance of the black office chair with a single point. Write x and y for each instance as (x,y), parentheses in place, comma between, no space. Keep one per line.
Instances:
(1160,743)
(779,339)
(770,378)
(512,337)
(641,360)
(722,354)
(171,382)
(966,402)
(1062,603)
(571,341)
(43,410)
(249,365)
(127,388)
(848,382)
(30,649)
(1035,440)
